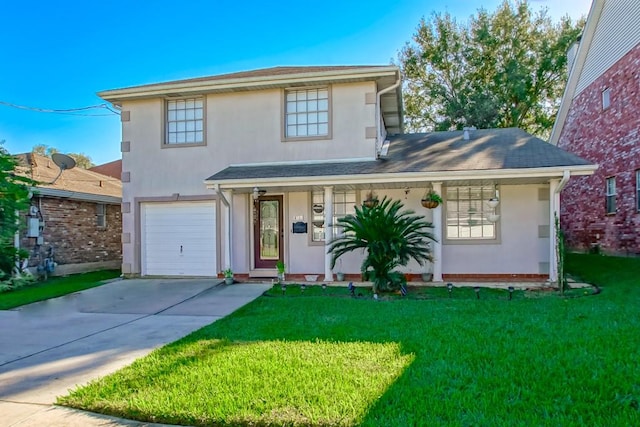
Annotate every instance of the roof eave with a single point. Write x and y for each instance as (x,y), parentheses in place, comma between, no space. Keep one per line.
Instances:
(576,70)
(380,178)
(246,83)
(76,195)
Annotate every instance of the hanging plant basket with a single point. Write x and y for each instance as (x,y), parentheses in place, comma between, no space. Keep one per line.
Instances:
(318,208)
(429,204)
(371,200)
(318,223)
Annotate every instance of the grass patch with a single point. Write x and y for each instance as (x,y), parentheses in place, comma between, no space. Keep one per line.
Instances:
(355,361)
(54,287)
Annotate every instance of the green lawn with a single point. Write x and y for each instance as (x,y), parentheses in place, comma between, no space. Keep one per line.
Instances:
(334,360)
(54,287)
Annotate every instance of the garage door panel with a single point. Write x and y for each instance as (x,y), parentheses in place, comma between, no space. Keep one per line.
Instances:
(179,239)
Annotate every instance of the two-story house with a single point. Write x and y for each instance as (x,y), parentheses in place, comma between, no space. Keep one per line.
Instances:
(242,170)
(599,120)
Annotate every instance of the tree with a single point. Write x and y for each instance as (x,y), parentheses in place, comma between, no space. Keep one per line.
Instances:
(82,160)
(391,238)
(502,69)
(14,197)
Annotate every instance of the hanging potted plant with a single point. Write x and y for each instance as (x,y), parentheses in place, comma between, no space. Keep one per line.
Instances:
(371,200)
(431,199)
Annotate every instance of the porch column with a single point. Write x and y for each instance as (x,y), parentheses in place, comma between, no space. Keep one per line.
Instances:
(228,223)
(437,233)
(328,232)
(554,209)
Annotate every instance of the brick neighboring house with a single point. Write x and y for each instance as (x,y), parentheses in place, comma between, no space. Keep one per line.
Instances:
(78,216)
(113,169)
(599,120)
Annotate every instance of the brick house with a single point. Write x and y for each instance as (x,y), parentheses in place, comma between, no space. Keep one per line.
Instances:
(77,216)
(599,120)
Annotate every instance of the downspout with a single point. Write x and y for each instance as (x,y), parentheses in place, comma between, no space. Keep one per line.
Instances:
(379,136)
(565,178)
(227,224)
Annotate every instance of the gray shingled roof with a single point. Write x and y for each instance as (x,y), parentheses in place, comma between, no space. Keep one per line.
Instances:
(486,149)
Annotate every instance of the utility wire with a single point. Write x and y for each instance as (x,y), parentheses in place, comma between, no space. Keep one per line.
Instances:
(69,111)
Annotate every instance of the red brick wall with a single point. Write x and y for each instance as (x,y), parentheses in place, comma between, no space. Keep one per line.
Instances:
(609,138)
(71,229)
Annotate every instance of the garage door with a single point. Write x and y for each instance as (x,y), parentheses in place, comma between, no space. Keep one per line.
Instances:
(178,239)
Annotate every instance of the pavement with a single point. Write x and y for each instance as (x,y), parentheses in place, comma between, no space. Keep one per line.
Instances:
(50,347)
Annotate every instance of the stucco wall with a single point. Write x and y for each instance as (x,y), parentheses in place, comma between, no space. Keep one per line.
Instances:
(522,247)
(609,138)
(241,127)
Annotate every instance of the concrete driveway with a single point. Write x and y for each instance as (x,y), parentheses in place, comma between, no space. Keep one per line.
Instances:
(49,347)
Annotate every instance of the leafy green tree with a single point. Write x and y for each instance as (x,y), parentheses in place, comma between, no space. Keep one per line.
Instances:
(390,236)
(502,69)
(14,197)
(82,160)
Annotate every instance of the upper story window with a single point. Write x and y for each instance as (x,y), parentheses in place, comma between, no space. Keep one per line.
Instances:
(307,113)
(185,121)
(467,210)
(101,215)
(344,203)
(611,195)
(606,98)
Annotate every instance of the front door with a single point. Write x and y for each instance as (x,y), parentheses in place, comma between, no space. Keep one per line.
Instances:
(268,233)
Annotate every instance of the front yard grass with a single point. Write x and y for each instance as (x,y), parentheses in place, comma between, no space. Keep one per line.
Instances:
(54,287)
(319,360)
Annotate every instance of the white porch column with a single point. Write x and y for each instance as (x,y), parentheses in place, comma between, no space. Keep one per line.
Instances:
(328,232)
(554,209)
(437,232)
(228,223)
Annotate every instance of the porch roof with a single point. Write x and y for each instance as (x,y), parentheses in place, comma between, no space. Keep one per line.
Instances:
(430,155)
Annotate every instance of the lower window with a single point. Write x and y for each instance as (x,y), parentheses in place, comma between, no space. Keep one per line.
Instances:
(344,203)
(467,210)
(610,202)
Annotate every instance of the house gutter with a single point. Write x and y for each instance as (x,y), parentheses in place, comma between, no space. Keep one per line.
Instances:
(380,137)
(65,194)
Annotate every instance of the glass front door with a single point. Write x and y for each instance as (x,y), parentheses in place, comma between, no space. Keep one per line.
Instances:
(268,231)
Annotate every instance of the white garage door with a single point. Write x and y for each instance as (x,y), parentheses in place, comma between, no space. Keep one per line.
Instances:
(178,239)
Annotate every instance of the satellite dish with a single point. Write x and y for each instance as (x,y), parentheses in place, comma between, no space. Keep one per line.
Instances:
(64,162)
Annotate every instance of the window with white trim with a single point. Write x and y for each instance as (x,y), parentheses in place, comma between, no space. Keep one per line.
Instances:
(344,203)
(606,98)
(101,215)
(307,113)
(467,210)
(611,195)
(638,190)
(185,121)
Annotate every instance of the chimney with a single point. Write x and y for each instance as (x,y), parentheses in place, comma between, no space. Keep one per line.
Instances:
(467,132)
(572,53)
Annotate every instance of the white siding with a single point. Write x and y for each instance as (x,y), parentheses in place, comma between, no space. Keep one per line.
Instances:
(618,32)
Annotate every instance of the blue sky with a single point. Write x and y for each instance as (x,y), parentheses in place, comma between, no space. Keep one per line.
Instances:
(57,55)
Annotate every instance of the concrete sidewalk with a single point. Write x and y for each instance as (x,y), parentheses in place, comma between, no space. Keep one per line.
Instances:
(52,346)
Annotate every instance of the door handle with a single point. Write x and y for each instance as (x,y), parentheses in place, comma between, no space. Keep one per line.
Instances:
(181,249)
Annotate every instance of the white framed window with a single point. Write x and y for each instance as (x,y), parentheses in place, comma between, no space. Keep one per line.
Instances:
(344,203)
(606,98)
(101,215)
(307,113)
(185,121)
(611,195)
(638,190)
(467,210)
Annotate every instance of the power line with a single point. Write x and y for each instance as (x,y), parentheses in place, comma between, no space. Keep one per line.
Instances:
(68,111)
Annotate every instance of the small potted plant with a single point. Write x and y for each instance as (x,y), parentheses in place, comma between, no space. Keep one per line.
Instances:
(431,200)
(371,200)
(228,276)
(281,268)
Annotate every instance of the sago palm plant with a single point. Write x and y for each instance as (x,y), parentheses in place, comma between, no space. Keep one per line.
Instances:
(390,236)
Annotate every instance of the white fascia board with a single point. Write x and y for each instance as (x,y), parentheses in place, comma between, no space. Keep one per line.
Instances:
(205,86)
(305,162)
(391,178)
(576,70)
(87,197)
